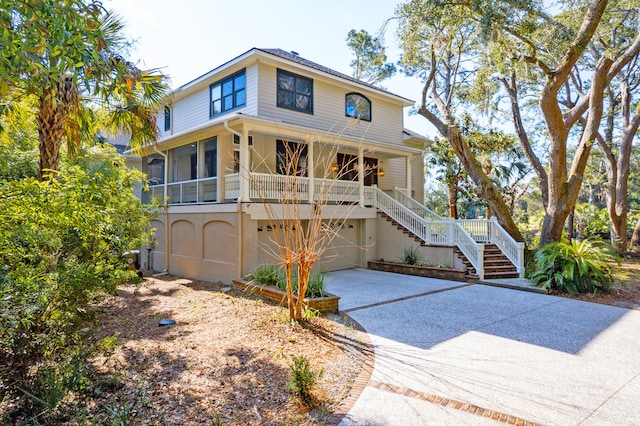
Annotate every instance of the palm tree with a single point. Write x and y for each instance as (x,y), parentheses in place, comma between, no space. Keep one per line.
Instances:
(69,54)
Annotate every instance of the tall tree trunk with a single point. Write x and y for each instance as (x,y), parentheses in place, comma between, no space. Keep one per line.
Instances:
(53,112)
(635,238)
(618,169)
(563,185)
(50,133)
(453,201)
(486,188)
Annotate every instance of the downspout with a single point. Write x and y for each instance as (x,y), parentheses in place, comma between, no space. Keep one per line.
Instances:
(225,123)
(166,208)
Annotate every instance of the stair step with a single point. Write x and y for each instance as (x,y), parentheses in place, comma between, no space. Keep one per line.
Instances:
(499,275)
(497,262)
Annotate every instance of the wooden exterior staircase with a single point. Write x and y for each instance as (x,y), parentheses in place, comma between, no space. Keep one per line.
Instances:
(496,264)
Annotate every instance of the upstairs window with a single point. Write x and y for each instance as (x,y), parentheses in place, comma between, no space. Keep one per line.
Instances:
(227,94)
(295,92)
(358,106)
(167,118)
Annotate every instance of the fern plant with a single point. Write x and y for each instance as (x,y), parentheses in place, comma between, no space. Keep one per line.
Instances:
(574,267)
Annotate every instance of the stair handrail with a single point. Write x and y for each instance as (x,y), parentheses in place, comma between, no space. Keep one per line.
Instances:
(414,205)
(473,251)
(401,214)
(514,250)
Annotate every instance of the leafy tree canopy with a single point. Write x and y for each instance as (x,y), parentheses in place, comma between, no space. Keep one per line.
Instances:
(370,62)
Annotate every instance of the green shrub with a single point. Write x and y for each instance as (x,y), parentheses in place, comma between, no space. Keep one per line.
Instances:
(316,286)
(412,256)
(274,276)
(269,275)
(61,246)
(574,267)
(302,378)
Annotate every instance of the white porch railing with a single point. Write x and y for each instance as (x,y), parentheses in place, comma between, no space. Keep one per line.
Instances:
(189,191)
(336,191)
(275,187)
(413,205)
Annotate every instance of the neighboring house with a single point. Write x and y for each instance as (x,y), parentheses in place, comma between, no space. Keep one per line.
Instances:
(223,145)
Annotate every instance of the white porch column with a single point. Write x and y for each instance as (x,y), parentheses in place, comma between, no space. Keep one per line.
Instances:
(361,175)
(408,179)
(220,195)
(244,165)
(311,173)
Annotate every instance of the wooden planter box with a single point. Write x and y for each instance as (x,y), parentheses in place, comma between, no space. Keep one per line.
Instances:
(422,271)
(327,304)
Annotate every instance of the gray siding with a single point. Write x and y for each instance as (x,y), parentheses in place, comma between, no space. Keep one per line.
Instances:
(329,109)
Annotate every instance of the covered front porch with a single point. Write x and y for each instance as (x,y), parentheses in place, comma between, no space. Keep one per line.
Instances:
(243,159)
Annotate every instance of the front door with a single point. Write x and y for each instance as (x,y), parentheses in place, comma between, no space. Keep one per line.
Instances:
(348,166)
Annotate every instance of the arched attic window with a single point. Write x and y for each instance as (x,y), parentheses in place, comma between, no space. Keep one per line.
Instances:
(358,106)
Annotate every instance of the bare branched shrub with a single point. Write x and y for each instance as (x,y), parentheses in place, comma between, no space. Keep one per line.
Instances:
(304,229)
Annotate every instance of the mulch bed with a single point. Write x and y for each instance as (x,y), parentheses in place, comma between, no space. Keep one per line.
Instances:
(225,360)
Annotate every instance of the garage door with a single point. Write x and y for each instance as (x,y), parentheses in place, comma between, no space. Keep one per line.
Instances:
(345,249)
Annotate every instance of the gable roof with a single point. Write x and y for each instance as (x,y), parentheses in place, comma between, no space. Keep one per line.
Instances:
(297,59)
(294,57)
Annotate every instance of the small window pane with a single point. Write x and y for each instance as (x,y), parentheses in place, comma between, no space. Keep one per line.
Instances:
(240,82)
(228,102)
(285,99)
(303,87)
(286,82)
(215,92)
(216,107)
(302,102)
(227,87)
(240,98)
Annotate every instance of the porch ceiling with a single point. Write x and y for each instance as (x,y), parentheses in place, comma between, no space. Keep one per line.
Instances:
(279,129)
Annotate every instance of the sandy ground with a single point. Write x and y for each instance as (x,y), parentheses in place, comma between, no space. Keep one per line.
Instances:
(225,361)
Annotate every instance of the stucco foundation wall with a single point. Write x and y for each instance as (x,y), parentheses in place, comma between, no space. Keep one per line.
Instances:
(392,242)
(206,245)
(201,246)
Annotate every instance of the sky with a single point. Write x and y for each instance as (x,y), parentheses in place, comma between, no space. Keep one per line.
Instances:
(188,38)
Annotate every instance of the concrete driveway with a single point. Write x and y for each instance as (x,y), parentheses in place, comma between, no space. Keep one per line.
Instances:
(449,353)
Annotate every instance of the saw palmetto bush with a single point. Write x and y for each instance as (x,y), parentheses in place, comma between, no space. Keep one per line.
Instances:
(574,267)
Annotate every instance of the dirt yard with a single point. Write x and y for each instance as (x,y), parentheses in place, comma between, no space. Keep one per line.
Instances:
(625,291)
(225,361)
